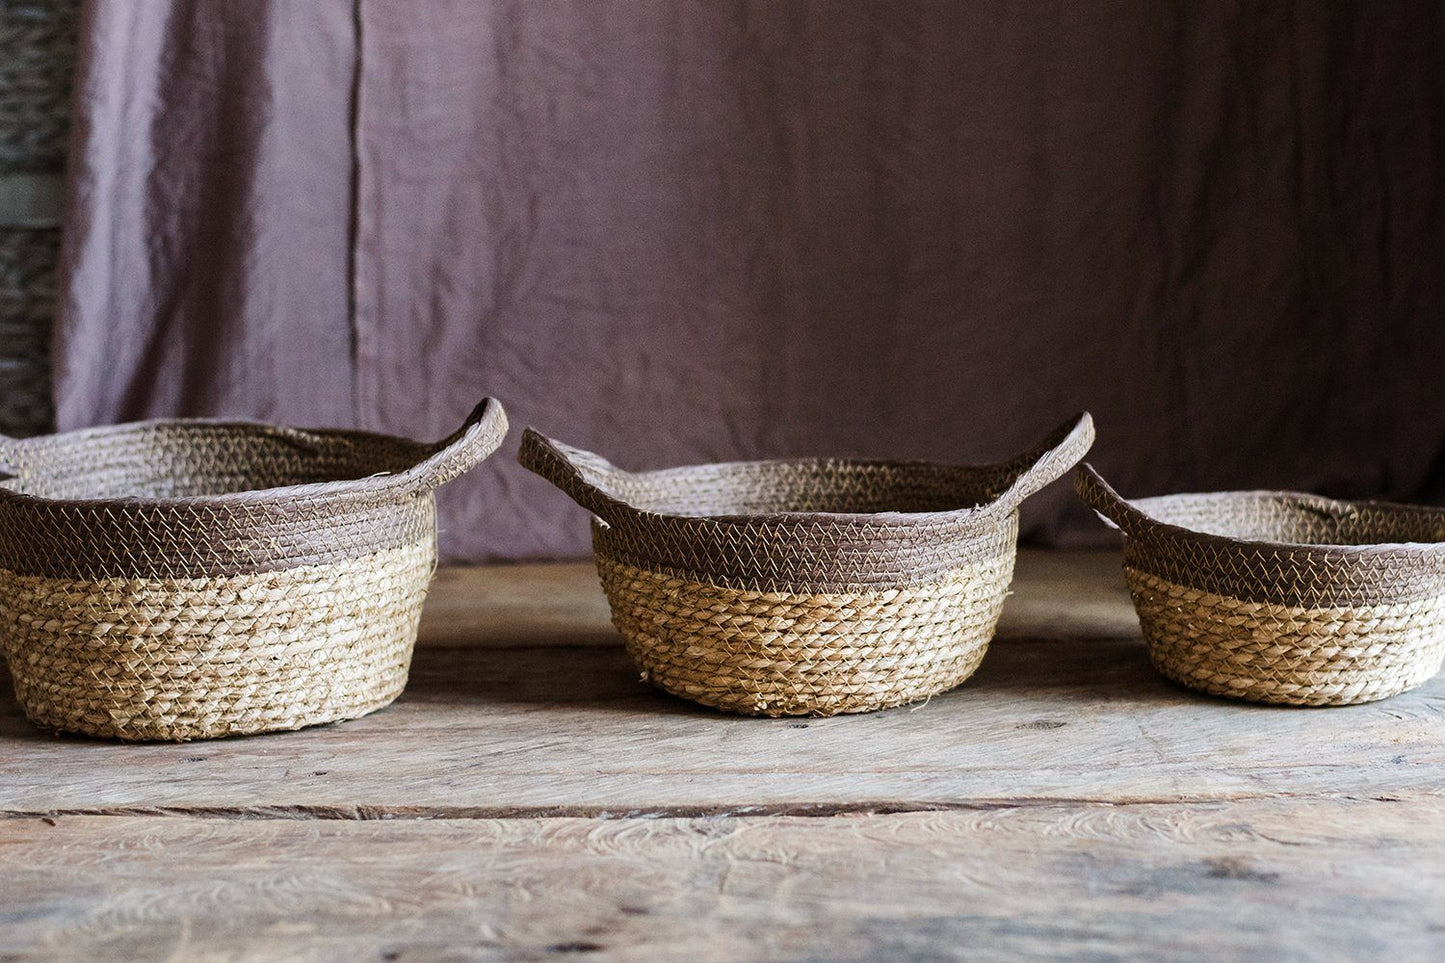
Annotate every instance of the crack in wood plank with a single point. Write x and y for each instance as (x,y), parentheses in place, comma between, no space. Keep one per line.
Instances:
(820,810)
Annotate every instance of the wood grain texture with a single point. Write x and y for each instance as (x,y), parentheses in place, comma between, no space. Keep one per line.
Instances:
(527,798)
(1055,713)
(558,604)
(1260,879)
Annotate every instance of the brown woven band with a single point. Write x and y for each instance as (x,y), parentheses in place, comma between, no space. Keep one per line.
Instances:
(791,556)
(1282,548)
(812,525)
(189,499)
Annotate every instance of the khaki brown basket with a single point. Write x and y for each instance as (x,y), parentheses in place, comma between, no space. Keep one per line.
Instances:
(191,579)
(809,587)
(1282,597)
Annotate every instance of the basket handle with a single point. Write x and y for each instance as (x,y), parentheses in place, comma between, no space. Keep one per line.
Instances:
(1107,503)
(480,435)
(1046,462)
(584,477)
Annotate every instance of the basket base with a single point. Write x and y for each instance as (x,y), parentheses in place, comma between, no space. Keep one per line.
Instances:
(791,654)
(1287,655)
(192,732)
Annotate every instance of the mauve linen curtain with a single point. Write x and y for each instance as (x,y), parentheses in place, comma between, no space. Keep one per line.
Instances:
(680,231)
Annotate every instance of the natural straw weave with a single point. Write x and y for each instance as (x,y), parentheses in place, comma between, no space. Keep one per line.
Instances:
(810,587)
(191,579)
(27,303)
(37,63)
(1283,597)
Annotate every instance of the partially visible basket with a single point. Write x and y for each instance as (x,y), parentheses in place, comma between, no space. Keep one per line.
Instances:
(190,579)
(37,66)
(27,303)
(1283,597)
(809,587)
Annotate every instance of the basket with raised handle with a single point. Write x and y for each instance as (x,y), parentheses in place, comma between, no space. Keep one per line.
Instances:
(806,587)
(189,579)
(1283,597)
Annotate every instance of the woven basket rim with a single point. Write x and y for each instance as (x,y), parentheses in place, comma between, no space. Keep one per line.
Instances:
(437,462)
(807,461)
(559,464)
(1090,483)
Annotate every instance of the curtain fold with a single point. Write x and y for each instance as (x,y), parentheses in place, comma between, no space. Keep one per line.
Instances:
(679,231)
(207,249)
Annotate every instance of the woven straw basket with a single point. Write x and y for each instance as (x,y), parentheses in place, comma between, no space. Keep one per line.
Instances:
(192,579)
(808,587)
(1282,597)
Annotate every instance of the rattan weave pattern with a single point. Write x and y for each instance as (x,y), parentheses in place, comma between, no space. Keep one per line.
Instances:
(1283,597)
(806,587)
(191,579)
(201,657)
(27,303)
(37,61)
(791,653)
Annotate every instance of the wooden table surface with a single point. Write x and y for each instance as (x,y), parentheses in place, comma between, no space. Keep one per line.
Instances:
(529,798)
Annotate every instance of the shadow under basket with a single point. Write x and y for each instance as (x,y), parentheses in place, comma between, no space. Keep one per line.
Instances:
(180,580)
(1282,597)
(808,587)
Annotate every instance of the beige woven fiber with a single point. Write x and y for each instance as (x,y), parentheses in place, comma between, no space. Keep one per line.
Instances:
(192,579)
(809,587)
(1281,597)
